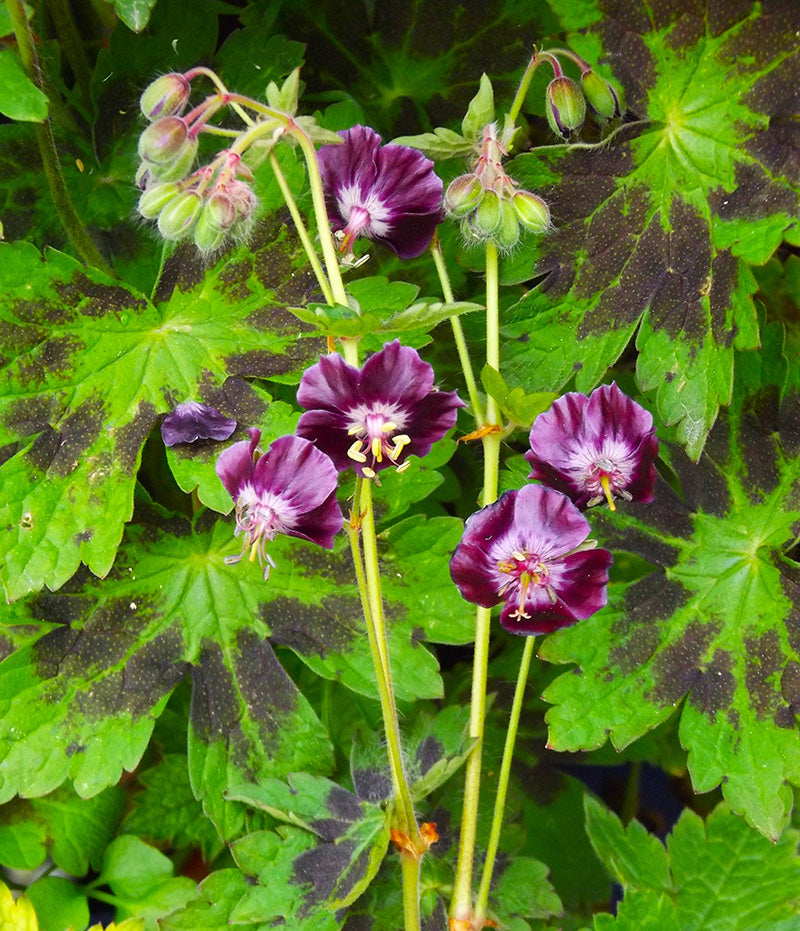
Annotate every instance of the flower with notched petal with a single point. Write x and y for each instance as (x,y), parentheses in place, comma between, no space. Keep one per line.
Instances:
(374,417)
(530,551)
(193,421)
(389,193)
(291,489)
(603,446)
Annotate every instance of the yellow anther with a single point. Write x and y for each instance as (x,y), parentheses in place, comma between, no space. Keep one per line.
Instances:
(368,473)
(404,465)
(388,427)
(606,483)
(355,452)
(356,428)
(377,448)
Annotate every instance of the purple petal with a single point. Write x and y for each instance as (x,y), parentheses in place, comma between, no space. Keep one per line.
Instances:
(235,464)
(547,522)
(432,418)
(192,421)
(534,529)
(331,384)
(321,525)
(398,193)
(395,374)
(580,438)
(328,432)
(296,470)
(351,163)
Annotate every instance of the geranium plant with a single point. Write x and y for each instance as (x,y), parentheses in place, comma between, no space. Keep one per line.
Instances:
(345,385)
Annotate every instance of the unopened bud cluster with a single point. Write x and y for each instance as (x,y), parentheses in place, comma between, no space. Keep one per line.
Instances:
(489,204)
(566,102)
(213,203)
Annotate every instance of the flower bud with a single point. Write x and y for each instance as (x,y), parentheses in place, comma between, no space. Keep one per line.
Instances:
(532,212)
(601,96)
(143,178)
(566,106)
(220,212)
(489,215)
(178,218)
(163,140)
(508,234)
(179,167)
(166,96)
(155,198)
(207,236)
(463,195)
(243,199)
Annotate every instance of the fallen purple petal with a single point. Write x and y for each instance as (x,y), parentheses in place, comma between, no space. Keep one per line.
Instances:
(192,421)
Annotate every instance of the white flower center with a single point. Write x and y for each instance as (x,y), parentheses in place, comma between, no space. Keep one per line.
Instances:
(363,212)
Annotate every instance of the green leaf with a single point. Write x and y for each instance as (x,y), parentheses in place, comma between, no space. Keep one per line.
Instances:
(166,811)
(440,144)
(253,57)
(92,364)
(720,874)
(479,113)
(75,831)
(713,622)
(141,879)
(645,911)
(705,178)
(277,861)
(520,408)
(634,857)
(440,746)
(218,895)
(20,98)
(134,13)
(59,904)
(522,890)
(353,835)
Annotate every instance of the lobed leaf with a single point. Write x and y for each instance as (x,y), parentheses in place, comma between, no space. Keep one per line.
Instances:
(714,622)
(92,364)
(717,874)
(653,227)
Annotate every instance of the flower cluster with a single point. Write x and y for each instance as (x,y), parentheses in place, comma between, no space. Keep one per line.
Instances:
(366,419)
(389,193)
(530,549)
(211,204)
(489,203)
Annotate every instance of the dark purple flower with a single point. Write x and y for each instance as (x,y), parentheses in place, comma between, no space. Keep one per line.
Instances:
(530,550)
(603,446)
(192,421)
(375,417)
(387,193)
(291,489)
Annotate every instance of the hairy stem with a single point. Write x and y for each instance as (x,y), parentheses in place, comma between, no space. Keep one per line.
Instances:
(502,784)
(47,148)
(461,906)
(300,226)
(458,334)
(70,42)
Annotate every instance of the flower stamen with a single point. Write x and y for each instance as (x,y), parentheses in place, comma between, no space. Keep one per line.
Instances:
(354,452)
